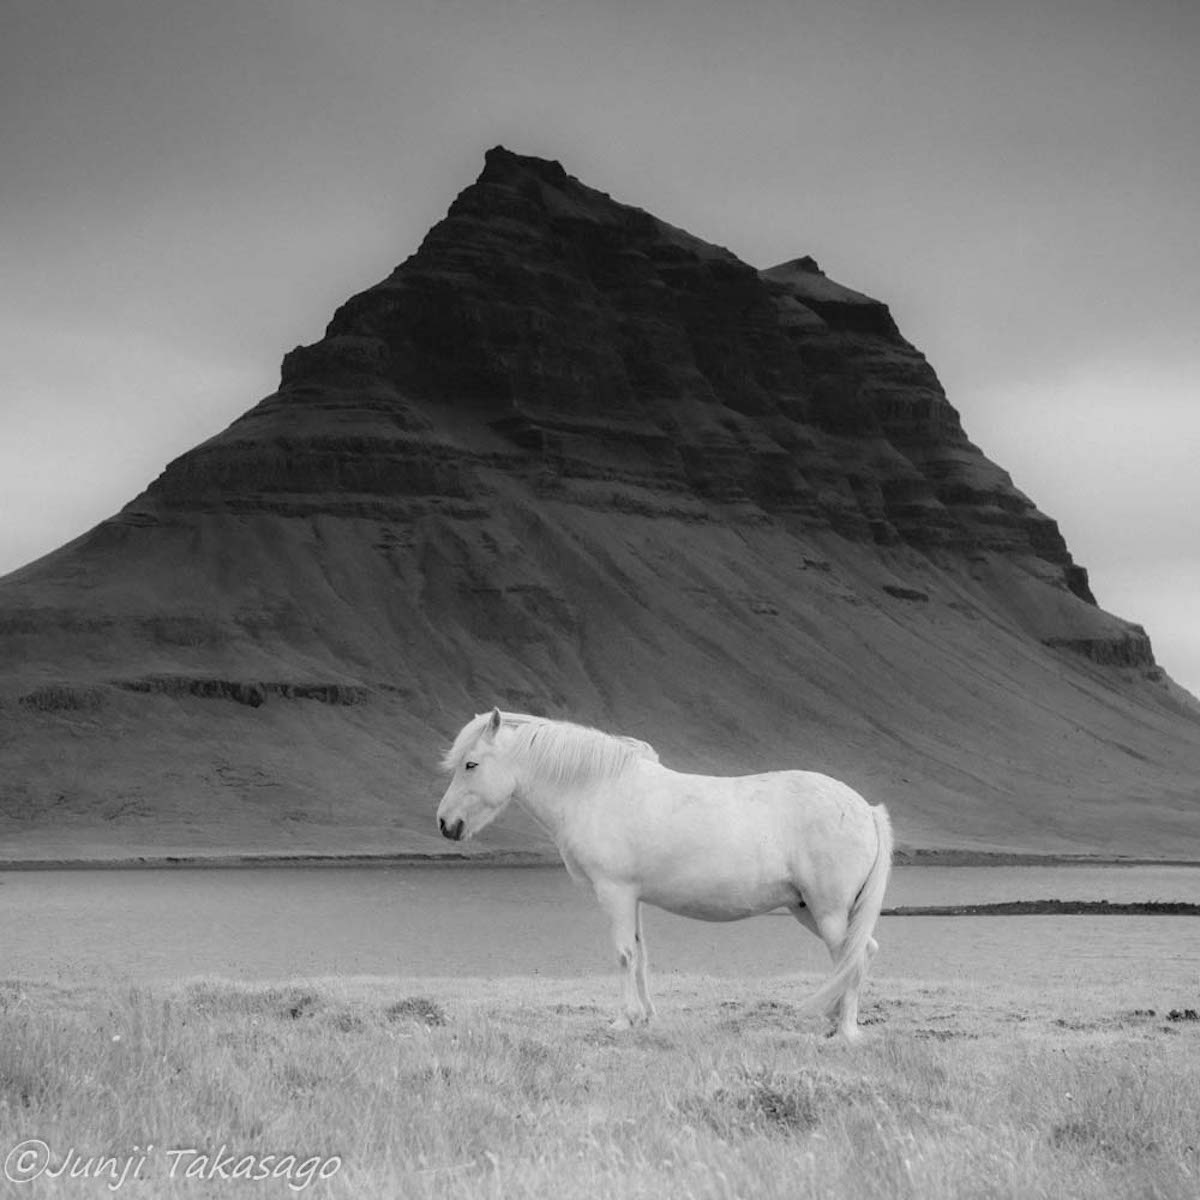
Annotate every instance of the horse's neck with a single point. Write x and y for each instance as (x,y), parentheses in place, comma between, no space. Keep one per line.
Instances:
(545,802)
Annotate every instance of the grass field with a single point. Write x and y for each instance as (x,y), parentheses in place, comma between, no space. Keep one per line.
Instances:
(509,1088)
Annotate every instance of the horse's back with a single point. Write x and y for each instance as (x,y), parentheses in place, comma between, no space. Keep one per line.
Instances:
(781,823)
(806,796)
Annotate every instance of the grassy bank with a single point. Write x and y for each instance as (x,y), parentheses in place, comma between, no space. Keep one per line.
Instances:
(509,1088)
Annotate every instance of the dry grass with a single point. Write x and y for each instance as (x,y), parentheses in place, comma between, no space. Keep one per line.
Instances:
(512,1088)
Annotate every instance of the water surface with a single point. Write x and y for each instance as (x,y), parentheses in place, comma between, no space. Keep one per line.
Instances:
(284,922)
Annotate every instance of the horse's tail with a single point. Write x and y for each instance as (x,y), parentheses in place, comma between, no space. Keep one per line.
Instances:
(851,966)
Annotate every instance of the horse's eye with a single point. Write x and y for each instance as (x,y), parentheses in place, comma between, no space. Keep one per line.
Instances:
(469,766)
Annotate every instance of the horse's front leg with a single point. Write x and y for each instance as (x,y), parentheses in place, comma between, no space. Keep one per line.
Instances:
(621,905)
(642,963)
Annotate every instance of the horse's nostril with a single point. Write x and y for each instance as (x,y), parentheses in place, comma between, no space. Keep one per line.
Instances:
(453,832)
(442,825)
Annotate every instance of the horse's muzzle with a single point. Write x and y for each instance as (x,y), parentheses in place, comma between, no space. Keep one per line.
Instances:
(453,832)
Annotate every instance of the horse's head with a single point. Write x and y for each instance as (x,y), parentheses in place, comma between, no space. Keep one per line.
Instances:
(483,781)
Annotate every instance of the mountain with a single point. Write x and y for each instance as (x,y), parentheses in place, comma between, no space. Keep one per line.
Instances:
(570,459)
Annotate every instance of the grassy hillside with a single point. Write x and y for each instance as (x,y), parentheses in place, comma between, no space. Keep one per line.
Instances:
(728,650)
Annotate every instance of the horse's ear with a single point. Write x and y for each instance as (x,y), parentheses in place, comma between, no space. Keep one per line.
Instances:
(493,726)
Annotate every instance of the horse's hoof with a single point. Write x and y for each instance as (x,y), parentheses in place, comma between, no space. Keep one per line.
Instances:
(621,1024)
(848,1037)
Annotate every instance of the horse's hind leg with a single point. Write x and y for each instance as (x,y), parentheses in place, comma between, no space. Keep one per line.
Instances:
(642,963)
(621,905)
(830,927)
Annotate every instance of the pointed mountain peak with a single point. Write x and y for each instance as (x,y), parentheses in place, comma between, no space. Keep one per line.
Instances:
(501,164)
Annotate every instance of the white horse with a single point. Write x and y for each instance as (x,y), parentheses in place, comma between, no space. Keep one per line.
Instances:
(703,846)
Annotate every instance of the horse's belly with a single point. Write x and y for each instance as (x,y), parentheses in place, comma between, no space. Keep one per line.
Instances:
(718,900)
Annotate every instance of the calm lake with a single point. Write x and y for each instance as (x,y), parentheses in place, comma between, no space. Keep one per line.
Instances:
(286,922)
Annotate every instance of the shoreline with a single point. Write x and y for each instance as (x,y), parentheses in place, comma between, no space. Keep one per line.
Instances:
(534,858)
(1050,908)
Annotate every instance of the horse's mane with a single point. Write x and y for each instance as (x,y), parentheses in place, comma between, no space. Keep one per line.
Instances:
(559,751)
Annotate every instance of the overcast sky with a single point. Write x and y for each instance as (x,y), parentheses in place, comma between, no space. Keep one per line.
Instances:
(187,190)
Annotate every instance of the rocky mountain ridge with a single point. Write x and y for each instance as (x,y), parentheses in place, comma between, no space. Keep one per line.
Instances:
(595,342)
